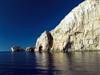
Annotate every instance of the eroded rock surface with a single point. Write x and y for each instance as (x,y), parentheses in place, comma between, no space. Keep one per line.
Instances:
(79,30)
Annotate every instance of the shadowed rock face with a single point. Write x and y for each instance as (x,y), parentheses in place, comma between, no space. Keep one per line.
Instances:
(50,40)
(79,30)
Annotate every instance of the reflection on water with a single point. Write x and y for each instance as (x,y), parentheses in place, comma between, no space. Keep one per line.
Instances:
(50,63)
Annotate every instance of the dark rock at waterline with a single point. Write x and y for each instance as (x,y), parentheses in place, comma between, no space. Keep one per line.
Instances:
(16,49)
(30,49)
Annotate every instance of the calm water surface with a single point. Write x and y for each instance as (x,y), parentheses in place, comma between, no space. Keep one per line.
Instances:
(22,63)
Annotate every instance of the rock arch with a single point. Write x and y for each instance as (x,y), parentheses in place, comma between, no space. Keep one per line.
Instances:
(44,42)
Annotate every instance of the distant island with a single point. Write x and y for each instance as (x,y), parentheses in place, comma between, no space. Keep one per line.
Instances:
(18,49)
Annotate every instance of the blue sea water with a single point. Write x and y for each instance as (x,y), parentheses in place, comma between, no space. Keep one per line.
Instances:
(23,63)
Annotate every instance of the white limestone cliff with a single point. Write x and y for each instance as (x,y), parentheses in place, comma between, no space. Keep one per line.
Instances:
(79,30)
(44,42)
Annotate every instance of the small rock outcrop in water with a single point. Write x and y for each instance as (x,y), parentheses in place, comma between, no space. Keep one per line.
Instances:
(79,30)
(16,49)
(30,49)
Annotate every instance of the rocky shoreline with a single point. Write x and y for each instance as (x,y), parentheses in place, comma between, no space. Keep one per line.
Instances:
(15,49)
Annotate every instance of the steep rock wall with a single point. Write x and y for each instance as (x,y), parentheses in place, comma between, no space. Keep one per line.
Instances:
(79,30)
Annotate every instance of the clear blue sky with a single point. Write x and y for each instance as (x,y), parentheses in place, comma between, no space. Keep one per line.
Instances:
(22,21)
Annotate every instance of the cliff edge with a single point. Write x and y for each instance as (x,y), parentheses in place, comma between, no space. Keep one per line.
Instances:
(79,30)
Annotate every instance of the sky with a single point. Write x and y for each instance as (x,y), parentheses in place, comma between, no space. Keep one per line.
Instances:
(22,21)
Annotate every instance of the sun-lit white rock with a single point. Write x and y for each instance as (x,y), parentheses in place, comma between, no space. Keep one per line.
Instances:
(44,42)
(79,30)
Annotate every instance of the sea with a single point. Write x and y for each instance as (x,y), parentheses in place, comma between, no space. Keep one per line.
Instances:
(73,63)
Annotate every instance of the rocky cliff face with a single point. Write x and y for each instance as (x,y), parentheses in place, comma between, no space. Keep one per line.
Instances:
(44,42)
(79,30)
